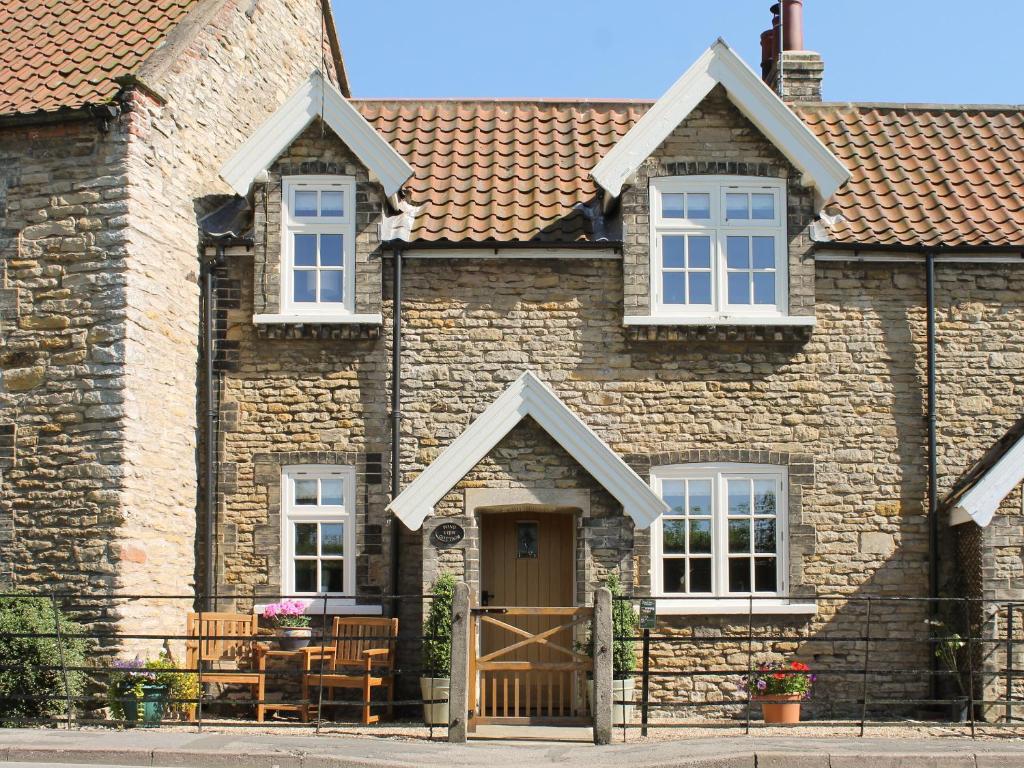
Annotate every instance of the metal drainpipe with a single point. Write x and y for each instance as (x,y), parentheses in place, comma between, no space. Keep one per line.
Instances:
(933,471)
(211,428)
(396,413)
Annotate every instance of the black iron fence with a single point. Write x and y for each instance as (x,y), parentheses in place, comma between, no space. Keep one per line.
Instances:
(64,661)
(872,661)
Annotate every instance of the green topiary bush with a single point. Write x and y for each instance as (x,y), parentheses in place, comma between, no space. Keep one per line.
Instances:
(437,648)
(625,623)
(31,666)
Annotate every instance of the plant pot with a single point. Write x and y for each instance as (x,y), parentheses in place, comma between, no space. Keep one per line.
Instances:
(130,707)
(622,690)
(154,703)
(435,688)
(293,638)
(781,708)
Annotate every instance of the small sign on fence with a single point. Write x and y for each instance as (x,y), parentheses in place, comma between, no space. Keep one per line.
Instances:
(648,613)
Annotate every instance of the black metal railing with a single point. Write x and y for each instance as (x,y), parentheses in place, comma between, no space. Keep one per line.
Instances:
(90,703)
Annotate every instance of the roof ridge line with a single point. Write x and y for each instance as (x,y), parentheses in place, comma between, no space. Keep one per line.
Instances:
(911,106)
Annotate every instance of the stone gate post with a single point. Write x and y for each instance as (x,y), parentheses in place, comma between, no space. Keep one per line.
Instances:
(603,658)
(458,694)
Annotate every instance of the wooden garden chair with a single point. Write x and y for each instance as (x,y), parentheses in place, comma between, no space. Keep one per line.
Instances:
(226,645)
(360,655)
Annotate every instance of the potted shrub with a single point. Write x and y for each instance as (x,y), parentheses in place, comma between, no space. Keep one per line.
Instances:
(182,687)
(949,646)
(131,684)
(625,623)
(290,623)
(780,688)
(437,652)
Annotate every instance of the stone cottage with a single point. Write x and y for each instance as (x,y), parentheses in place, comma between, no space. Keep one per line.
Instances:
(739,346)
(114,118)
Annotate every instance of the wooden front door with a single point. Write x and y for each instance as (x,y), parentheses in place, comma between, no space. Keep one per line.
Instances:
(528,668)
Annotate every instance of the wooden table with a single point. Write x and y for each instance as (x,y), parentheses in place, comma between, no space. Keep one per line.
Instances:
(304,658)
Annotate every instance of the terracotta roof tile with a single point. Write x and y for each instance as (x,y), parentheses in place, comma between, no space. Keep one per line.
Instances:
(57,54)
(516,170)
(950,176)
(502,171)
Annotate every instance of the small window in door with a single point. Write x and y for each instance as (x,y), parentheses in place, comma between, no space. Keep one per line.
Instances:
(526,539)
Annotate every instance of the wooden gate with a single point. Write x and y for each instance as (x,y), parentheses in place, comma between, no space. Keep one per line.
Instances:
(531,675)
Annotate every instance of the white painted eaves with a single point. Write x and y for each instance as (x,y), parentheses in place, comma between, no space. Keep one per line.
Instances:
(527,396)
(316,97)
(983,499)
(720,65)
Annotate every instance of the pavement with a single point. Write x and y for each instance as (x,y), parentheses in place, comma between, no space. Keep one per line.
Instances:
(169,747)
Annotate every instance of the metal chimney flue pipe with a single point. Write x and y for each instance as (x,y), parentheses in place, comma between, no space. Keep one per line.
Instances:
(793,25)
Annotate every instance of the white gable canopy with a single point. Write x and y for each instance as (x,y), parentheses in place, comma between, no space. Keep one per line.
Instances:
(317,97)
(720,65)
(527,396)
(990,481)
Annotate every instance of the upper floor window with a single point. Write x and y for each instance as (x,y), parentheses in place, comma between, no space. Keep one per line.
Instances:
(318,244)
(718,245)
(318,530)
(723,533)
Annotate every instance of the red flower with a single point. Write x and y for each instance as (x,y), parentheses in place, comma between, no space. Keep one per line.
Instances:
(779,675)
(800,667)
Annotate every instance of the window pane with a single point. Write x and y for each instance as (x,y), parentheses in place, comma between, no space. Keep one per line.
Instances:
(527,539)
(739,536)
(305,575)
(739,497)
(330,492)
(305,203)
(700,575)
(700,537)
(764,252)
(673,251)
(330,250)
(673,572)
(305,492)
(674,537)
(765,576)
(736,205)
(764,497)
(764,536)
(700,497)
(672,205)
(305,285)
(739,287)
(332,538)
(762,205)
(332,576)
(739,574)
(672,491)
(700,252)
(764,287)
(700,287)
(698,205)
(737,251)
(305,538)
(331,203)
(330,285)
(305,250)
(674,288)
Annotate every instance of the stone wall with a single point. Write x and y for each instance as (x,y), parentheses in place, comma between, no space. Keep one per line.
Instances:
(849,400)
(715,129)
(100,244)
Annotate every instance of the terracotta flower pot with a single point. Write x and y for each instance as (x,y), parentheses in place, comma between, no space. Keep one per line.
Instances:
(781,708)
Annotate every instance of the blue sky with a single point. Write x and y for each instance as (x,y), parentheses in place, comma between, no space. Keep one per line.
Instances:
(874,50)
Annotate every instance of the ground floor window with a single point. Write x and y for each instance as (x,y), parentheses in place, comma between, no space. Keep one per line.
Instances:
(318,530)
(724,532)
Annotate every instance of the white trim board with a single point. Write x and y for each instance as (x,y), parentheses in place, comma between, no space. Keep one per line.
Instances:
(317,97)
(802,321)
(527,396)
(981,502)
(868,255)
(720,65)
(510,253)
(324,319)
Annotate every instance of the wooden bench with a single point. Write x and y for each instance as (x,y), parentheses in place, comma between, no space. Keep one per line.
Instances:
(226,645)
(360,654)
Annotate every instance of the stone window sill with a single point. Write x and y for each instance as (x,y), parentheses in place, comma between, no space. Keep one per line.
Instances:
(720,320)
(293,319)
(337,605)
(733,607)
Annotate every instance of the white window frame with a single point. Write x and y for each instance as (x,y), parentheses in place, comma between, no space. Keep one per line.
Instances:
(718,229)
(344,225)
(720,600)
(291,514)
